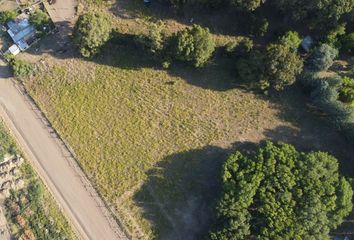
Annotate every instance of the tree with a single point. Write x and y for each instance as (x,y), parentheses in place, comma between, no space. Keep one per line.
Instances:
(291,39)
(346,91)
(250,69)
(277,192)
(6,16)
(322,58)
(91,32)
(39,19)
(248,5)
(347,42)
(154,40)
(317,10)
(20,68)
(194,45)
(282,66)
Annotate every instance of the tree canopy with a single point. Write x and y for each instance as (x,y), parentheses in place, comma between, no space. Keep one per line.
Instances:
(277,192)
(248,5)
(194,45)
(39,19)
(322,58)
(92,30)
(6,16)
(282,66)
(318,10)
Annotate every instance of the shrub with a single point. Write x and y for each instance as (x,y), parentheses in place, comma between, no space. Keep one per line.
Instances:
(250,69)
(6,16)
(20,68)
(39,19)
(334,34)
(248,5)
(282,66)
(346,91)
(322,58)
(277,192)
(291,39)
(263,27)
(91,32)
(347,42)
(154,40)
(194,45)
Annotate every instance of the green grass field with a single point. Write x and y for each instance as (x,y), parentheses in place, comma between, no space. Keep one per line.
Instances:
(153,140)
(123,120)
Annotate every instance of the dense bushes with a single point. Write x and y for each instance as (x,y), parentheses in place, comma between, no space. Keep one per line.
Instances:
(280,193)
(347,42)
(322,58)
(7,145)
(6,16)
(282,67)
(318,11)
(325,93)
(39,19)
(276,67)
(194,45)
(19,67)
(91,32)
(346,91)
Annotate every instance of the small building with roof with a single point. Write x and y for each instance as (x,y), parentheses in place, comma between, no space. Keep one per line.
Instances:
(21,31)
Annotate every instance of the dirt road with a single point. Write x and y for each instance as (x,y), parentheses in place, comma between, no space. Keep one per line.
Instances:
(52,164)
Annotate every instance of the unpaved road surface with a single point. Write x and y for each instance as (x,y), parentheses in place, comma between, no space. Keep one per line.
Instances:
(50,161)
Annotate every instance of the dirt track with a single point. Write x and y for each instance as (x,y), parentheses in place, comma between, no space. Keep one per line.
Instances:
(51,161)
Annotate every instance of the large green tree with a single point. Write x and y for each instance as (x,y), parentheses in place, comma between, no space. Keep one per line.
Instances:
(318,10)
(194,45)
(248,5)
(280,193)
(92,30)
(322,58)
(282,65)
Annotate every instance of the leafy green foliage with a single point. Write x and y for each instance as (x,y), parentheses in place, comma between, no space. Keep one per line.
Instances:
(317,10)
(250,68)
(291,39)
(347,42)
(28,210)
(91,32)
(194,45)
(346,91)
(277,68)
(39,19)
(322,58)
(280,193)
(325,93)
(6,16)
(248,5)
(154,40)
(282,66)
(333,35)
(20,67)
(7,145)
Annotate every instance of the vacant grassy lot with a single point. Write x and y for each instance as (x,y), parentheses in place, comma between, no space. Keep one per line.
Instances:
(153,140)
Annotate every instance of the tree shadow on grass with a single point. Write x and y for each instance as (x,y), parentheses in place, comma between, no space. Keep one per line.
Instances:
(123,52)
(309,129)
(179,194)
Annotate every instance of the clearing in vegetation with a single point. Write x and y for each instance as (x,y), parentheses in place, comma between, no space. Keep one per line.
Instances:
(153,140)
